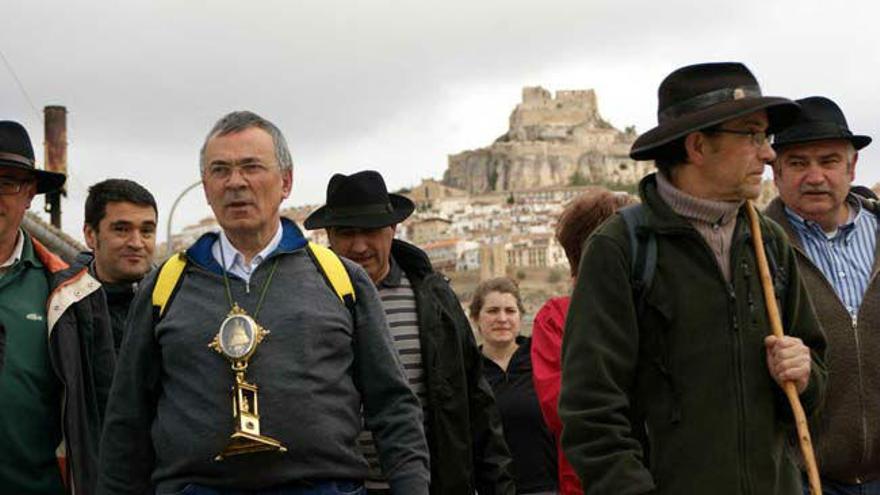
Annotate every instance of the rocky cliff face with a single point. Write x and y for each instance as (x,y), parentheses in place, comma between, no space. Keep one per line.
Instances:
(551,142)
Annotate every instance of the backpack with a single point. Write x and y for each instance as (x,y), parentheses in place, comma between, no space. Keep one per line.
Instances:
(643,242)
(328,262)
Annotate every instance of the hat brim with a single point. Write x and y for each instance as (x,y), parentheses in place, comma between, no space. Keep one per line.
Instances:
(857,141)
(46,181)
(780,113)
(401,208)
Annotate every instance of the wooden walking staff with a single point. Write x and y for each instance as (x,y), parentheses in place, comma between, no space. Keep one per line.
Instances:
(789,387)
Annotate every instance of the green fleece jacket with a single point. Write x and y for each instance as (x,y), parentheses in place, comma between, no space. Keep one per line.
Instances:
(691,371)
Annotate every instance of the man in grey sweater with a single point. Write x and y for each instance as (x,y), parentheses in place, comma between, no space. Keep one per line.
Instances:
(169,425)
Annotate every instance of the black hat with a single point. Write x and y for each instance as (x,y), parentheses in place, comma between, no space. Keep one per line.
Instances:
(16,152)
(703,95)
(360,200)
(820,119)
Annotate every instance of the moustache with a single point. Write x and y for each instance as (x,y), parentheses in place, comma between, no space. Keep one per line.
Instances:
(236,196)
(808,189)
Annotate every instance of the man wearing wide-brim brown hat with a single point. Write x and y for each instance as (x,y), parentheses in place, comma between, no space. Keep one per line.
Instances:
(670,385)
(431,333)
(58,363)
(834,233)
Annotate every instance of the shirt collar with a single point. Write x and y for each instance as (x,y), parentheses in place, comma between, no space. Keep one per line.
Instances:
(393,279)
(232,256)
(844,231)
(16,251)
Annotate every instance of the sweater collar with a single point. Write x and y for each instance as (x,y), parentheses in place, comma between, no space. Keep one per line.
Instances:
(694,208)
(292,239)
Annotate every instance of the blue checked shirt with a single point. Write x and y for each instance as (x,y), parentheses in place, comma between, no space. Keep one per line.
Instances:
(846,257)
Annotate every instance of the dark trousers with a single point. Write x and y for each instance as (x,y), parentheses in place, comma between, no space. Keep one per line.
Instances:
(317,488)
(830,487)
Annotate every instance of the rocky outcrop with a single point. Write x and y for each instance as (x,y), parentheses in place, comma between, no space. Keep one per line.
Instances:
(551,142)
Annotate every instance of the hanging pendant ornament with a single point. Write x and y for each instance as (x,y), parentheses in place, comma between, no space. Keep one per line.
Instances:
(237,340)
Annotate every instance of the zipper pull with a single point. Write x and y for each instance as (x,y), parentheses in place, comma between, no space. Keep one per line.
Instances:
(247,287)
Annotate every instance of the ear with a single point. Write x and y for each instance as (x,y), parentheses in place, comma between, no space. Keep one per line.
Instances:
(205,191)
(695,145)
(91,237)
(776,166)
(286,182)
(32,191)
(852,167)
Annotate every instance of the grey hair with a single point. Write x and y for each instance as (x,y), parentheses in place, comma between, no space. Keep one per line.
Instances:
(239,121)
(851,153)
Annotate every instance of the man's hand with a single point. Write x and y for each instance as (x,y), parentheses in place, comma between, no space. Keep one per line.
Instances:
(788,359)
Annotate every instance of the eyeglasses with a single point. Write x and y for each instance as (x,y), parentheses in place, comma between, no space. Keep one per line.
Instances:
(222,171)
(758,138)
(12,186)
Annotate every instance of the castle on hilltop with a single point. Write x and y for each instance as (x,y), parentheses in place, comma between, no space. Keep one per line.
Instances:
(551,142)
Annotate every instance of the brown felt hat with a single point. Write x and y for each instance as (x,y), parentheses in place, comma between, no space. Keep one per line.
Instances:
(704,95)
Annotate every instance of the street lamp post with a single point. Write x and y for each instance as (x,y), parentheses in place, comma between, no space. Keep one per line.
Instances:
(171,214)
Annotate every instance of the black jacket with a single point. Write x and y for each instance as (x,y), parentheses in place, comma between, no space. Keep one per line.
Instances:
(119,297)
(463,425)
(81,353)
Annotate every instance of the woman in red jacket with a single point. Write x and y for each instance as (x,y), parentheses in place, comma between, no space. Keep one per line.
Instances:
(579,219)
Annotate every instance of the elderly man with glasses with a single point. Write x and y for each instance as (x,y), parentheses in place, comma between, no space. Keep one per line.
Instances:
(670,384)
(58,363)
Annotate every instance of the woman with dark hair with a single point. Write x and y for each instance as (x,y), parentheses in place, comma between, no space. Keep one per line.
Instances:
(496,309)
(578,220)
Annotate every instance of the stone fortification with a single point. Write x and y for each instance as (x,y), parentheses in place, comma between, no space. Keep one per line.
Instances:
(552,141)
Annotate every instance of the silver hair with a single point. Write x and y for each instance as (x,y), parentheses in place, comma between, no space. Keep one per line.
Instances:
(850,156)
(239,121)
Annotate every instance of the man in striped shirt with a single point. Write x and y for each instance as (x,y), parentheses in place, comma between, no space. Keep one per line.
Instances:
(834,233)
(432,336)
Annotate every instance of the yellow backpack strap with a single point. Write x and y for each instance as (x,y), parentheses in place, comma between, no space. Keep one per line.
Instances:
(335,273)
(166,282)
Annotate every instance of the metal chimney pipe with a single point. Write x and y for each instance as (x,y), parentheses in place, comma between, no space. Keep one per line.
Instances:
(55,155)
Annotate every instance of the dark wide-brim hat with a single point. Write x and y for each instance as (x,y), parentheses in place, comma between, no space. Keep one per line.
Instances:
(16,152)
(360,200)
(820,119)
(704,95)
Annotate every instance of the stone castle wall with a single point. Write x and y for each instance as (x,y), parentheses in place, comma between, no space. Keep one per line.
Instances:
(551,142)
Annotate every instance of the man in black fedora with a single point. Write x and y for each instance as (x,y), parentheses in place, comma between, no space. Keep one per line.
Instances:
(58,359)
(834,234)
(670,383)
(432,336)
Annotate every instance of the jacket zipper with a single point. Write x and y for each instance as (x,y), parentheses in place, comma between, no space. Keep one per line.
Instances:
(736,337)
(854,325)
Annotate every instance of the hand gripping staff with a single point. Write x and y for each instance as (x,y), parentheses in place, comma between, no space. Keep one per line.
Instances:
(776,325)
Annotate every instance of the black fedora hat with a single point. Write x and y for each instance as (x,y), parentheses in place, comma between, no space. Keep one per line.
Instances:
(820,119)
(360,200)
(16,152)
(704,95)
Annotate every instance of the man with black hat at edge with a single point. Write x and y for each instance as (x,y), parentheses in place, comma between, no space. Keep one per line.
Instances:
(686,360)
(432,336)
(58,363)
(834,234)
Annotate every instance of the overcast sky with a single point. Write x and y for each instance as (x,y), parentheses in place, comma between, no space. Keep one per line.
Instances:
(391,85)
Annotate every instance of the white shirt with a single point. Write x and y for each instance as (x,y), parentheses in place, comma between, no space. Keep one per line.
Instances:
(234,261)
(15,256)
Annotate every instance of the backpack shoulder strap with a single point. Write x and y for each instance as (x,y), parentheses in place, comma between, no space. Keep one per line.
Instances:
(334,272)
(643,243)
(167,281)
